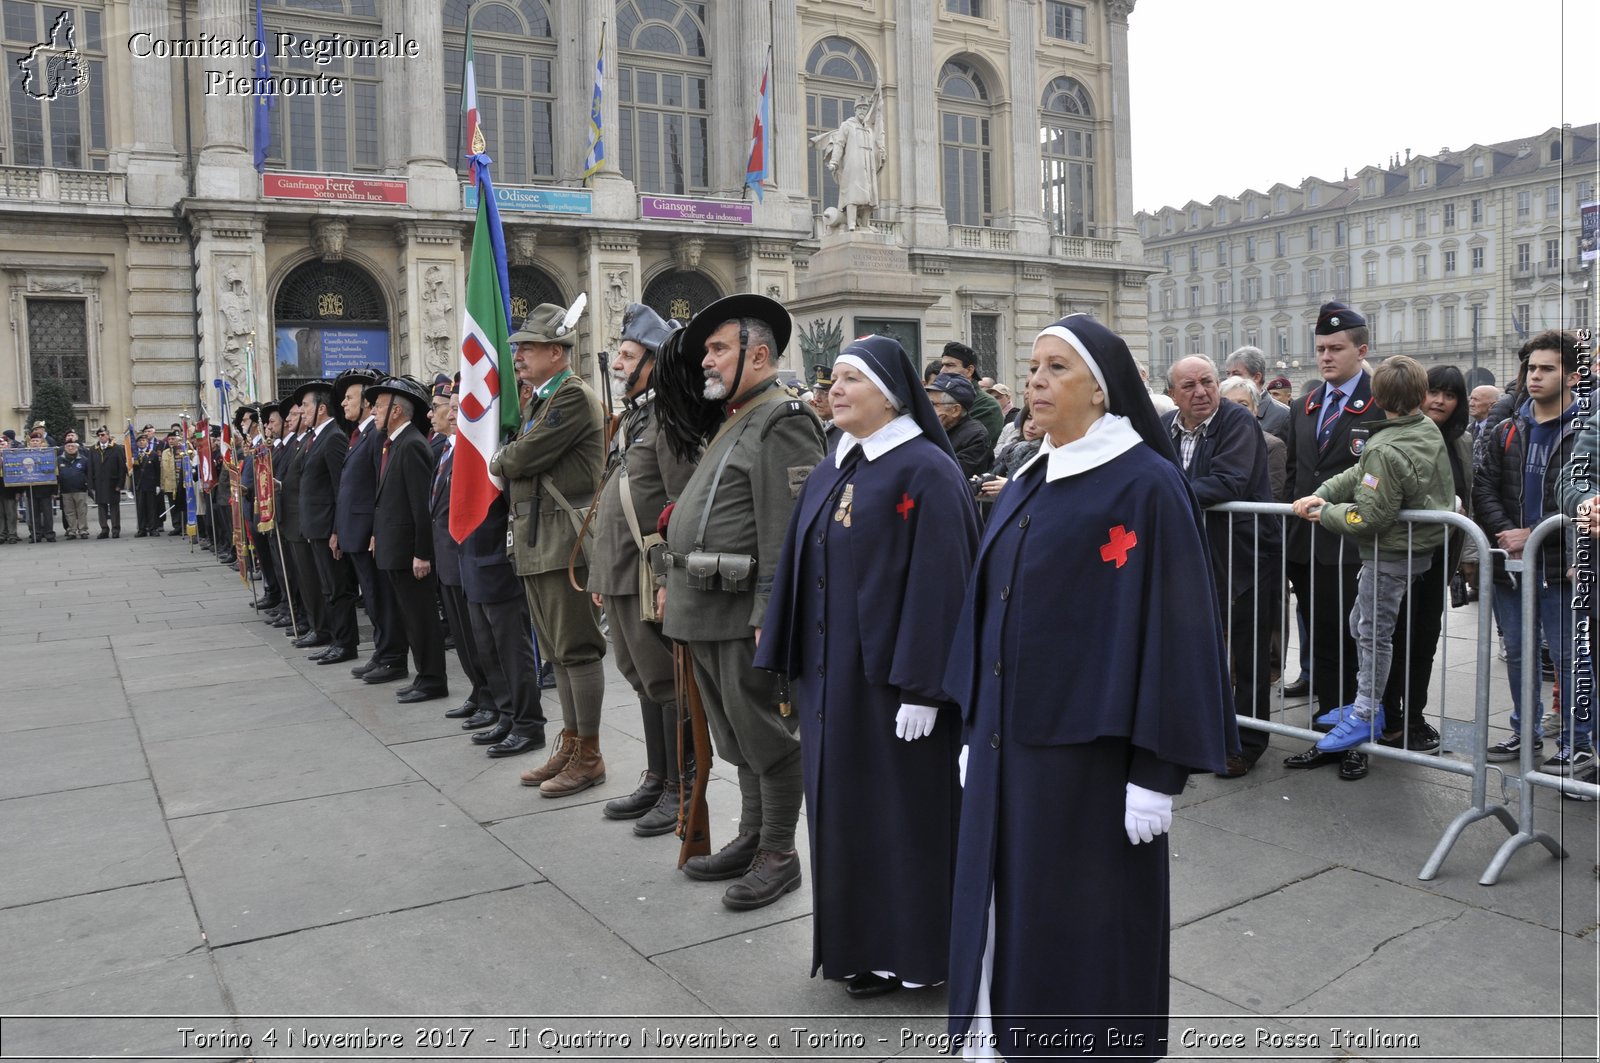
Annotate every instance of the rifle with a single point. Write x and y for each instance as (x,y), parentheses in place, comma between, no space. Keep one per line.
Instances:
(694,818)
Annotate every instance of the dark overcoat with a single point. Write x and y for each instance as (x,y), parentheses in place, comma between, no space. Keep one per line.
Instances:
(446,551)
(400,511)
(320,474)
(869,582)
(1310,465)
(1088,655)
(358,488)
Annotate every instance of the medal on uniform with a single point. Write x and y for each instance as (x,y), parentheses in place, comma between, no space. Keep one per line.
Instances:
(846,501)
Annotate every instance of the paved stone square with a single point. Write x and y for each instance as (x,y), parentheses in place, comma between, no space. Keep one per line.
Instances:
(201,826)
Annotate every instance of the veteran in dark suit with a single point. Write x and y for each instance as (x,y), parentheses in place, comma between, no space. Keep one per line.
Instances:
(320,472)
(402,543)
(358,488)
(723,540)
(551,469)
(1327,429)
(108,474)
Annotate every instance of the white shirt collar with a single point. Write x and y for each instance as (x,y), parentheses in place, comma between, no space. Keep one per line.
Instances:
(1107,438)
(900,430)
(316,431)
(362,427)
(403,426)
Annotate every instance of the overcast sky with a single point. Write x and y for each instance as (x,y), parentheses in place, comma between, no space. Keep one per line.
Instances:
(1243,94)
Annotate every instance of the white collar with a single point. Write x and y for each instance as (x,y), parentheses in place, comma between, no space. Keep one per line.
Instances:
(316,430)
(403,426)
(1106,439)
(362,427)
(900,430)
(1177,422)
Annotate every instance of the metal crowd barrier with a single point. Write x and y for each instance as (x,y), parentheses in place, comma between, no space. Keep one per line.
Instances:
(1576,696)
(1478,766)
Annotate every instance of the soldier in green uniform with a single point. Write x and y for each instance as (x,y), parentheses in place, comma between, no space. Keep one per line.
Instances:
(551,471)
(643,474)
(723,541)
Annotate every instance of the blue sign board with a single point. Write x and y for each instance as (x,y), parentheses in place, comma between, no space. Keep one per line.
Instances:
(28,466)
(534,200)
(308,353)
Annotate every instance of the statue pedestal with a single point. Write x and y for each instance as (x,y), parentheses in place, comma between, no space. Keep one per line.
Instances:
(862,276)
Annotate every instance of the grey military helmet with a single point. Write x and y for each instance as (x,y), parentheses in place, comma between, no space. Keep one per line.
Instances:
(644,326)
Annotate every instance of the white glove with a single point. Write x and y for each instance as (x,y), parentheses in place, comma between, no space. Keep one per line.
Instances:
(914,721)
(1149,813)
(961,768)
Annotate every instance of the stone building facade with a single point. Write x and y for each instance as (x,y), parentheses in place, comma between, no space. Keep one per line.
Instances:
(144,256)
(1453,258)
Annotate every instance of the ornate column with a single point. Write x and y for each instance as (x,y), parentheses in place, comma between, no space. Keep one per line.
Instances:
(155,172)
(1026,213)
(922,221)
(235,318)
(226,169)
(1130,248)
(788,161)
(413,106)
(611,272)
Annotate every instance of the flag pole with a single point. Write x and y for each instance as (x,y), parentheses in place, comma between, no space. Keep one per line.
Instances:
(288,599)
(461,111)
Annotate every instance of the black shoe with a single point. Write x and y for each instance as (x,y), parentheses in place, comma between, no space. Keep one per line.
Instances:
(1298,689)
(412,696)
(361,670)
(114,535)
(480,719)
(141,534)
(173,532)
(269,602)
(103,535)
(500,732)
(512,744)
(771,875)
(1421,738)
(385,673)
(639,802)
(337,656)
(731,861)
(867,985)
(311,639)
(1352,765)
(462,711)
(662,818)
(1237,768)
(282,621)
(1312,758)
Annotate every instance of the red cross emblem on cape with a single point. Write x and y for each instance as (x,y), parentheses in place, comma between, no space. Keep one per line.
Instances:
(1122,540)
(907,504)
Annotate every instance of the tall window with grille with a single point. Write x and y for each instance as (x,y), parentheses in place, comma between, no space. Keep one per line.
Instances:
(327,133)
(664,95)
(838,73)
(55,103)
(58,344)
(986,344)
(968,165)
(514,57)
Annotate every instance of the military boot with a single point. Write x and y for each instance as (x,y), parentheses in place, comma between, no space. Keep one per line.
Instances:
(731,861)
(771,875)
(663,817)
(566,745)
(584,768)
(638,803)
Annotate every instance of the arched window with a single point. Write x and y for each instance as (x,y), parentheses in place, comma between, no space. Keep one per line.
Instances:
(680,293)
(531,286)
(663,93)
(514,57)
(56,99)
(967,160)
(326,133)
(328,317)
(837,74)
(1066,147)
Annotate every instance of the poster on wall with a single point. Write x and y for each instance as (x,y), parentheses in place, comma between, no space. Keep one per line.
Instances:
(1588,231)
(308,353)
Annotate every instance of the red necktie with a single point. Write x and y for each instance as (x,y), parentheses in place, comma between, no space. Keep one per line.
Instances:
(383,464)
(355,433)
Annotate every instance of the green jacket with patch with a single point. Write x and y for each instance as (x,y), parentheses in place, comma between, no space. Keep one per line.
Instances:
(561,443)
(1403,466)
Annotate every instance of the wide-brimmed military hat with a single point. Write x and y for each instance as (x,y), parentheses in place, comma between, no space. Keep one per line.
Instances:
(732,307)
(543,325)
(409,387)
(298,396)
(286,404)
(238,414)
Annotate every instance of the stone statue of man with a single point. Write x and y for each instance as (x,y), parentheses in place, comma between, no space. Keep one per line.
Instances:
(854,153)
